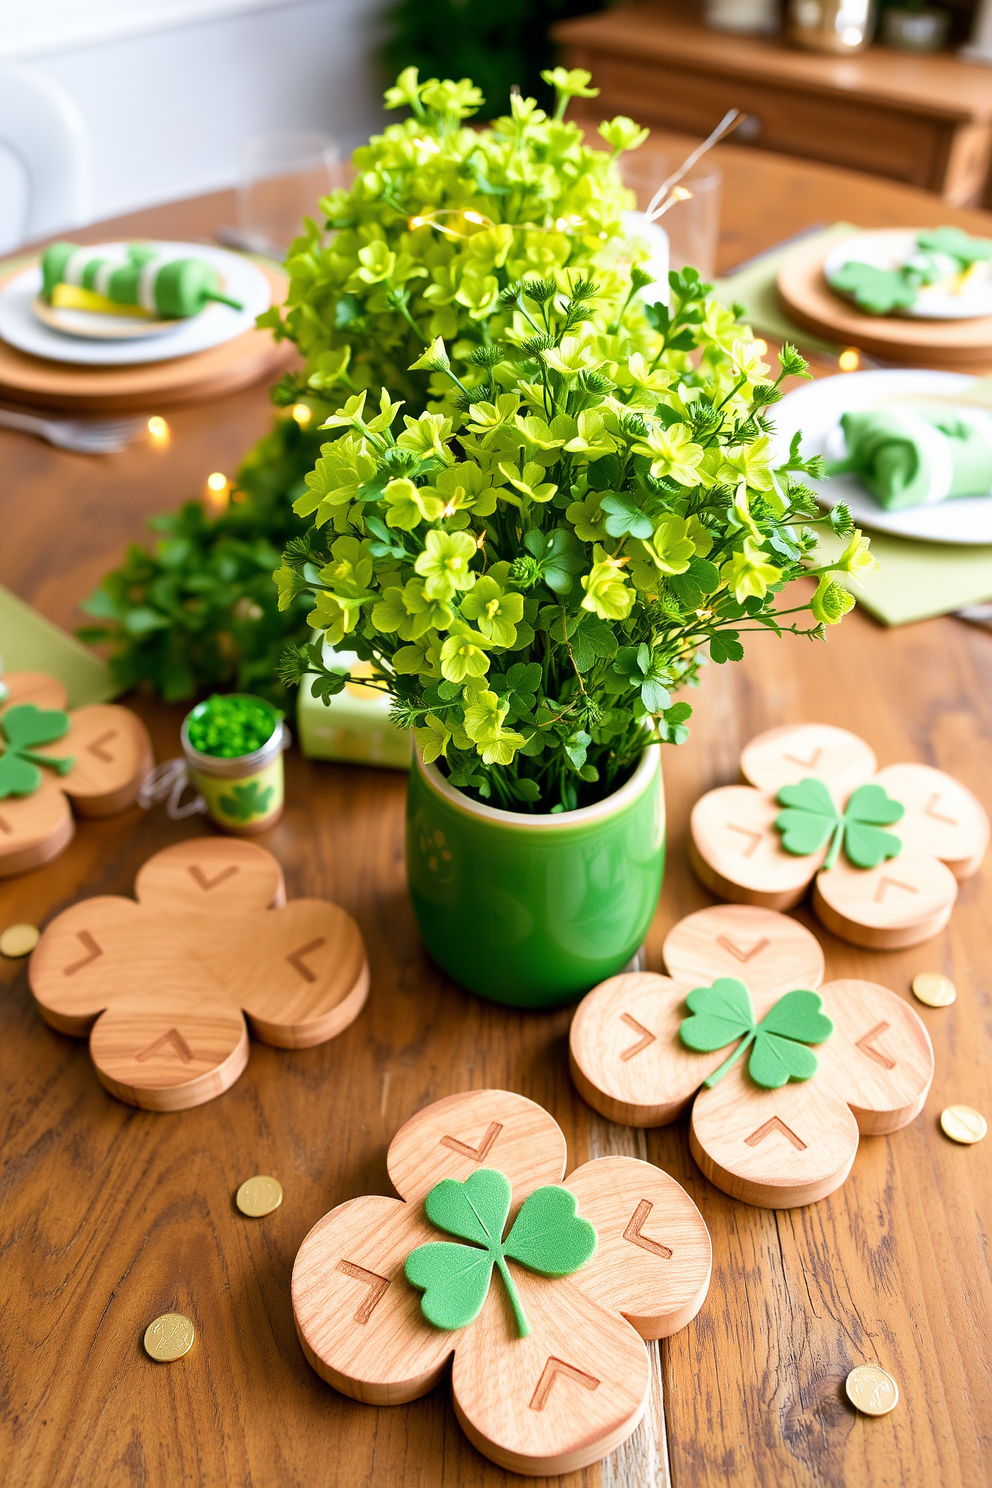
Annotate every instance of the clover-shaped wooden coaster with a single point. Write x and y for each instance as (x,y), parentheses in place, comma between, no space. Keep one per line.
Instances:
(550,1372)
(92,758)
(788,1072)
(818,810)
(159,985)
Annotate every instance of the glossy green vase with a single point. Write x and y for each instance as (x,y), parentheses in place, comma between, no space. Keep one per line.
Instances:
(534,910)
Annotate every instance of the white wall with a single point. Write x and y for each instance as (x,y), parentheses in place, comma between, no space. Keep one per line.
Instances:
(167,106)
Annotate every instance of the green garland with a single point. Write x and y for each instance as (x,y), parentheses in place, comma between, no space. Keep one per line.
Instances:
(199,611)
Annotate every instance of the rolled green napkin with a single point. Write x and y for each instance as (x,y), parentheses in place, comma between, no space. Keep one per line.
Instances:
(174,288)
(911,459)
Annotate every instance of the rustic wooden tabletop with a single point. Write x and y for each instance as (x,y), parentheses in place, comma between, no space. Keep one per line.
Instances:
(110,1216)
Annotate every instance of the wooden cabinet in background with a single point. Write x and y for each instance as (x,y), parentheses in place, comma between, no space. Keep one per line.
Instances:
(924,120)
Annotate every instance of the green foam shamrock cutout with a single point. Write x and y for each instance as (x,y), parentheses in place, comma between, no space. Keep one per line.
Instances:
(811,818)
(247,801)
(23,728)
(877,291)
(547,1236)
(724,1012)
(956,244)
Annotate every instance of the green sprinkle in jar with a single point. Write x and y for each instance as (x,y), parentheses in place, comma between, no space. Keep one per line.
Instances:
(233,746)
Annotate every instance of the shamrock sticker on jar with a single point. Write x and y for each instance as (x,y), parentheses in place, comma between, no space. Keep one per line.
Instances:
(233,747)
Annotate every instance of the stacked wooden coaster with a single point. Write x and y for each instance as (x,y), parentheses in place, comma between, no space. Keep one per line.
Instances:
(949,345)
(254,356)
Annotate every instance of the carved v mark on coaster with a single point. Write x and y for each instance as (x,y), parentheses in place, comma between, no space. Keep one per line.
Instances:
(477,1154)
(296,961)
(5,826)
(929,811)
(634,1227)
(866,1045)
(197,874)
(97,746)
(809,764)
(739,952)
(892,883)
(376,1284)
(775,1124)
(747,832)
(553,1370)
(171,1036)
(647,1037)
(90,947)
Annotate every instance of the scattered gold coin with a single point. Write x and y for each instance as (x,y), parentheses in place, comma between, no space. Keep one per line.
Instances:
(933,989)
(19,940)
(963,1124)
(871,1390)
(169,1337)
(258,1196)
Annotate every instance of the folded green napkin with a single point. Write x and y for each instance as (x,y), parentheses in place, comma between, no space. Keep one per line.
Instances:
(908,458)
(917,580)
(30,643)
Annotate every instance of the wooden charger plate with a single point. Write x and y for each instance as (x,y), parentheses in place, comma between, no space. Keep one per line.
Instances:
(952,345)
(247,359)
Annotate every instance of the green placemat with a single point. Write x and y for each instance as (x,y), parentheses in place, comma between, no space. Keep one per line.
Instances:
(755,287)
(918,580)
(30,643)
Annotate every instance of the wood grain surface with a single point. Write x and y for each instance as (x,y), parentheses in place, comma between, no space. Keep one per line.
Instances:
(577,1385)
(110,1216)
(159,982)
(775,1147)
(736,849)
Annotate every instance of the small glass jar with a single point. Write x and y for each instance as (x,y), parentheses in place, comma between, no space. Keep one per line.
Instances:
(244,794)
(838,26)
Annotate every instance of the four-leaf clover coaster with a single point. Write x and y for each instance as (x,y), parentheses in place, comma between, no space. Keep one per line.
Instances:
(781,1073)
(162,986)
(91,760)
(884,849)
(538,1291)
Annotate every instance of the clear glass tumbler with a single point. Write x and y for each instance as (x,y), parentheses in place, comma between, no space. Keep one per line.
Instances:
(282,178)
(693,226)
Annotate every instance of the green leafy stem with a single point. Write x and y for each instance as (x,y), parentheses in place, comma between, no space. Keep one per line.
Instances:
(548,1236)
(724,1012)
(811,819)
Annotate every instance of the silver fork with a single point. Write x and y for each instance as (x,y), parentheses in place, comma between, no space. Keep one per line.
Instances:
(83,436)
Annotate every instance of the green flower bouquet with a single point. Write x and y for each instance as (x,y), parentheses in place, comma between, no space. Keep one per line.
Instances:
(582,500)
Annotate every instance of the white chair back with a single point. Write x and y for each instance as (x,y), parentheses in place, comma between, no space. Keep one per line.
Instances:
(43,128)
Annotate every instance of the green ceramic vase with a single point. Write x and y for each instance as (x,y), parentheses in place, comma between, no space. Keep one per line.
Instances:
(534,910)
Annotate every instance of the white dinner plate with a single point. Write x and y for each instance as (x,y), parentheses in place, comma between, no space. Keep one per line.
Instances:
(889,249)
(816,409)
(242,280)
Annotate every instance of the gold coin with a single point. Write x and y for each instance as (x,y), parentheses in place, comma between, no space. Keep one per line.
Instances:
(933,989)
(963,1124)
(258,1196)
(19,940)
(871,1390)
(169,1337)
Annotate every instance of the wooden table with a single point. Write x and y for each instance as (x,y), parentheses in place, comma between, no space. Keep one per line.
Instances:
(110,1216)
(923,120)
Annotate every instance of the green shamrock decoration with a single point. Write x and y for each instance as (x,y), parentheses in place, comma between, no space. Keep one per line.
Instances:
(247,801)
(877,291)
(811,817)
(23,728)
(724,1012)
(548,1236)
